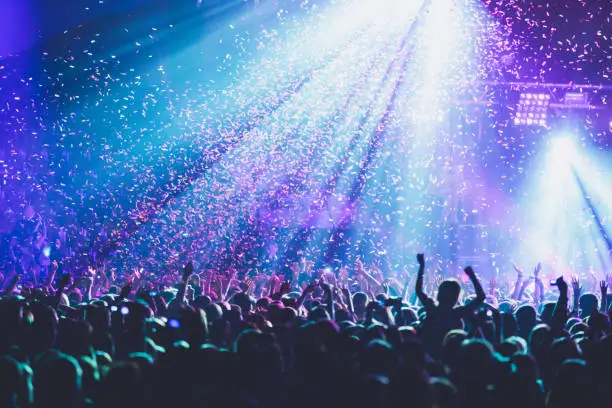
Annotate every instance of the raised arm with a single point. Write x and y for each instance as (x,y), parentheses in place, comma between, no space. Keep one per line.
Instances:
(285,288)
(519,282)
(539,286)
(305,293)
(329,300)
(522,289)
(560,316)
(576,291)
(423,298)
(372,281)
(475,303)
(52,272)
(603,287)
(480,294)
(229,284)
(349,299)
(187,271)
(88,285)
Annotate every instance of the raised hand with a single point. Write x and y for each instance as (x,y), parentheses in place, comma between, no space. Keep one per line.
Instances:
(561,284)
(273,282)
(187,271)
(306,292)
(536,271)
(249,286)
(603,287)
(421,260)
(384,286)
(480,293)
(518,270)
(576,288)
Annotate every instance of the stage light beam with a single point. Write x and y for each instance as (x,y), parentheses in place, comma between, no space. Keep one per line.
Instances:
(563,149)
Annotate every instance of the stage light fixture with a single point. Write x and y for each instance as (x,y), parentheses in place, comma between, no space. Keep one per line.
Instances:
(531,109)
(576,99)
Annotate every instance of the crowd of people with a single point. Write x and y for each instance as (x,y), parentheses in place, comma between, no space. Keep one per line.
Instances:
(139,189)
(307,338)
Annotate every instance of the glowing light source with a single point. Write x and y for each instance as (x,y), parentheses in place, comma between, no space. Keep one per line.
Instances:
(576,98)
(563,148)
(532,109)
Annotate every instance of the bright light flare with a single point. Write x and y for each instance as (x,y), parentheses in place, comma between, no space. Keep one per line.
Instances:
(563,149)
(559,228)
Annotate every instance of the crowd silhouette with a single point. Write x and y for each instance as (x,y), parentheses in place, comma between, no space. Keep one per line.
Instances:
(311,338)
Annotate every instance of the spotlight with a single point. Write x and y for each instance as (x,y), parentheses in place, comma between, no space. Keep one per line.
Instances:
(532,106)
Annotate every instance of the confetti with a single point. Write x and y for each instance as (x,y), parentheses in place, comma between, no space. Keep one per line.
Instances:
(286,129)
